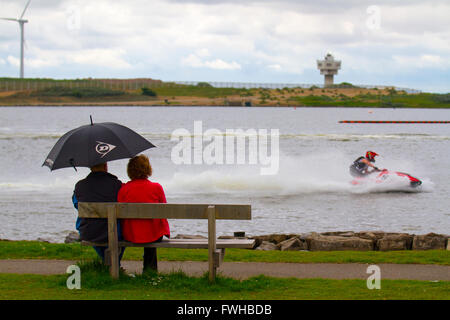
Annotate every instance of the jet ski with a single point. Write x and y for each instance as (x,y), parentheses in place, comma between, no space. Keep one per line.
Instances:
(382,176)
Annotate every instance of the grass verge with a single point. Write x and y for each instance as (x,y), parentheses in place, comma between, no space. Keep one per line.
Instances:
(181,287)
(96,284)
(43,250)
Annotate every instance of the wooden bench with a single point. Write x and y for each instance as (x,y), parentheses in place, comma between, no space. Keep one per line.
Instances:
(216,248)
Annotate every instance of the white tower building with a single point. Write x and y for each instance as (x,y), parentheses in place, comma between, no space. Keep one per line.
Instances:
(328,67)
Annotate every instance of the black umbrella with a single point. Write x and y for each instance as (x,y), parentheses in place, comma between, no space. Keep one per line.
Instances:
(93,144)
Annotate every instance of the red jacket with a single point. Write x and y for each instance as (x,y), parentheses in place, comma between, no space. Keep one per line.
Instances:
(143,230)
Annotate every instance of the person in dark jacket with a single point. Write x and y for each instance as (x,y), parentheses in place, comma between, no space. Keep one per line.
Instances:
(360,167)
(98,186)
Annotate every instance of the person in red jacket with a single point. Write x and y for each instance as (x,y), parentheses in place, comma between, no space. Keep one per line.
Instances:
(142,190)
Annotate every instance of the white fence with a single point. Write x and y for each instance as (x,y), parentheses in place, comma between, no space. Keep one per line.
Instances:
(135,84)
(253,85)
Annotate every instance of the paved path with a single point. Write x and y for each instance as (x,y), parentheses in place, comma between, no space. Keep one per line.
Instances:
(243,270)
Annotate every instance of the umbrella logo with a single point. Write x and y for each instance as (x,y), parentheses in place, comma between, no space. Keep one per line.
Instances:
(103,148)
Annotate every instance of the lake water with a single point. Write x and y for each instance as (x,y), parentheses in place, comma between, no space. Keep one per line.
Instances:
(310,192)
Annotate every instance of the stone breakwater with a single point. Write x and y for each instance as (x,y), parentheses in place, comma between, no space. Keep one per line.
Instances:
(334,241)
(349,240)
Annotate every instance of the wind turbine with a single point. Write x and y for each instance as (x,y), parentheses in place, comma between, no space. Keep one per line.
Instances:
(22,41)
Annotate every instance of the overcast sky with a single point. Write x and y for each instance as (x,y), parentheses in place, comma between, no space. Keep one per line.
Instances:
(402,43)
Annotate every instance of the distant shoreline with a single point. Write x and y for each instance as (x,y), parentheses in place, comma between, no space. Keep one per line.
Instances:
(206,106)
(200,96)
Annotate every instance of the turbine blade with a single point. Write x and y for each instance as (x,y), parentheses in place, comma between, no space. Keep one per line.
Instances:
(10,19)
(26,6)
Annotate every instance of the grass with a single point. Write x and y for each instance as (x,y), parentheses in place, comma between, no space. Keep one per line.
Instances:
(43,250)
(197,91)
(76,92)
(96,283)
(125,92)
(397,100)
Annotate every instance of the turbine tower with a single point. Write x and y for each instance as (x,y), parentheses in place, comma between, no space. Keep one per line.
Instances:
(21,22)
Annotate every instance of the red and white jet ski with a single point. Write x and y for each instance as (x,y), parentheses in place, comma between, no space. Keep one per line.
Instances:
(383,176)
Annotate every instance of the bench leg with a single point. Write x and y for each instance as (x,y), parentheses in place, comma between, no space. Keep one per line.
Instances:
(212,243)
(113,242)
(107,258)
(218,257)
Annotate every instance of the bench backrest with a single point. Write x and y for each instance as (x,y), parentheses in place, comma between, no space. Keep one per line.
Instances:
(162,210)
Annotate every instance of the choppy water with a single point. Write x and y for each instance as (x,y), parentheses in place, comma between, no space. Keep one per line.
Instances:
(310,192)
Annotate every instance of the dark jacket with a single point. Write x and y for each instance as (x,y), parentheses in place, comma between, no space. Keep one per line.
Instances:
(96,187)
(359,168)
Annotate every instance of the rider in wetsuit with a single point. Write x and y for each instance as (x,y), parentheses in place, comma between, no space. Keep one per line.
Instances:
(360,166)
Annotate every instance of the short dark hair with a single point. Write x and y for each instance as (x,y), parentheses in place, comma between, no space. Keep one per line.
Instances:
(139,167)
(99,167)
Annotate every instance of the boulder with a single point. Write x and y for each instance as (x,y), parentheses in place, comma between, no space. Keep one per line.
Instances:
(371,235)
(267,246)
(338,243)
(339,233)
(72,237)
(391,242)
(273,238)
(429,241)
(293,244)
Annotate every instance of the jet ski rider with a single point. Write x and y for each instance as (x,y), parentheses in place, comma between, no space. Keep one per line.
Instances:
(360,166)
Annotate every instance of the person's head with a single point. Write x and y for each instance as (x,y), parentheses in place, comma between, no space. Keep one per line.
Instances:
(102,167)
(370,155)
(139,167)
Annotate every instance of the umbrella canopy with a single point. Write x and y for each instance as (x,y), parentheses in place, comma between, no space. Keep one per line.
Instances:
(94,144)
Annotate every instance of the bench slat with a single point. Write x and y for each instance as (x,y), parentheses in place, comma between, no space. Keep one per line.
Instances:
(183,244)
(163,211)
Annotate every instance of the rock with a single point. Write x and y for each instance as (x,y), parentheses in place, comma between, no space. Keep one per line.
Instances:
(273,238)
(277,238)
(429,241)
(72,237)
(189,236)
(339,233)
(266,246)
(293,244)
(371,235)
(338,243)
(391,242)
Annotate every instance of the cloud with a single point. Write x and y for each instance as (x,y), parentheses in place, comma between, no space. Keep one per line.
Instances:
(422,61)
(110,58)
(195,61)
(258,40)
(13,61)
(107,58)
(275,67)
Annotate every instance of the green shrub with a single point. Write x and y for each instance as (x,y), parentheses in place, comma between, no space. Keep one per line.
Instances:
(441,98)
(204,85)
(76,92)
(148,92)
